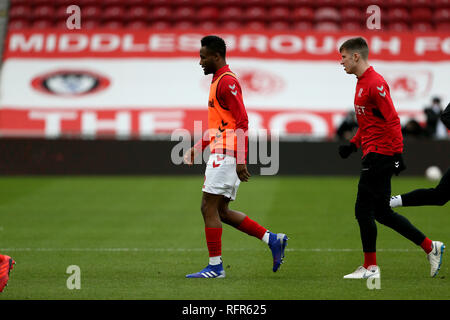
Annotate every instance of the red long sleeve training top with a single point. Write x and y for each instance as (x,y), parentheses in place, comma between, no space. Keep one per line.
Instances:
(379,125)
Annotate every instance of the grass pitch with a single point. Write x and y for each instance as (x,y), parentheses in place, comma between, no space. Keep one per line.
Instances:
(137,237)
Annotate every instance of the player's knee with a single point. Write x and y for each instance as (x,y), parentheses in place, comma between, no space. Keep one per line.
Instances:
(361,211)
(384,216)
(223,212)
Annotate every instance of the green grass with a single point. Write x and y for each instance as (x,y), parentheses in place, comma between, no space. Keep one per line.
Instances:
(137,237)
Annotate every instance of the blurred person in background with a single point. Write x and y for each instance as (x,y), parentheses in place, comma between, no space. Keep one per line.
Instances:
(434,127)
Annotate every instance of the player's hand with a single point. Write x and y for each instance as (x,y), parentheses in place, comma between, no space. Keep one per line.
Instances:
(242,172)
(189,156)
(346,150)
(399,164)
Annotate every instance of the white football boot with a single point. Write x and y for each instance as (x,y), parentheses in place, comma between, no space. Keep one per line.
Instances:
(363,273)
(435,257)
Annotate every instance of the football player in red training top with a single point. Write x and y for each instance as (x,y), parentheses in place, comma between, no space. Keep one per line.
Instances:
(380,138)
(226,167)
(6,265)
(437,196)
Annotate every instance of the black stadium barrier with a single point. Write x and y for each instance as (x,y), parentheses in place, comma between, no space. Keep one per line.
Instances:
(20,156)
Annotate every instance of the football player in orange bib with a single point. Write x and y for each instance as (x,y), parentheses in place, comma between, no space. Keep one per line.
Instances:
(226,167)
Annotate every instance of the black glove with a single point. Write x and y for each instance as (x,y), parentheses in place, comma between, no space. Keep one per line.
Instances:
(399,164)
(346,150)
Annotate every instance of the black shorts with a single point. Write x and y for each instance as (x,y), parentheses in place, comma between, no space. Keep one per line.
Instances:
(374,187)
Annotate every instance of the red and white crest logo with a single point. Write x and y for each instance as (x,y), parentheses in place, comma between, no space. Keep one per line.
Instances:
(408,84)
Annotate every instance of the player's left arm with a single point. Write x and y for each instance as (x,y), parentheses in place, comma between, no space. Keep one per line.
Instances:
(230,95)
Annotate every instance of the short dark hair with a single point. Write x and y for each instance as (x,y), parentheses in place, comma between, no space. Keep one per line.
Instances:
(214,44)
(356,45)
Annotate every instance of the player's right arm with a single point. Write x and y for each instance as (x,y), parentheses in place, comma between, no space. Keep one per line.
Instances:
(356,140)
(197,149)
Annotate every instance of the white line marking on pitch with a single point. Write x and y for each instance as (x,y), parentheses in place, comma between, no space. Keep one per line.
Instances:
(195,249)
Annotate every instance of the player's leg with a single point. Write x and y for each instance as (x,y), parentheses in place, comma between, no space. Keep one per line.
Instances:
(425,197)
(213,234)
(277,242)
(364,214)
(385,215)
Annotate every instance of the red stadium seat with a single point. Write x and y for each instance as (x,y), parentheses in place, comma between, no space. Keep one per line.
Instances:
(351,26)
(114,13)
(279,25)
(352,3)
(18,24)
(89,24)
(397,4)
(443,26)
(327,14)
(65,3)
(253,3)
(183,13)
(303,14)
(231,14)
(352,14)
(422,27)
(422,3)
(84,3)
(302,25)
(303,3)
(160,25)
(327,3)
(38,2)
(20,11)
(231,25)
(279,3)
(184,3)
(398,26)
(140,13)
(42,24)
(183,25)
(161,14)
(88,12)
(62,24)
(442,15)
(442,3)
(136,2)
(224,3)
(160,3)
(279,13)
(367,3)
(255,25)
(137,25)
(207,25)
(255,14)
(113,24)
(421,15)
(207,13)
(113,3)
(44,11)
(398,15)
(327,26)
